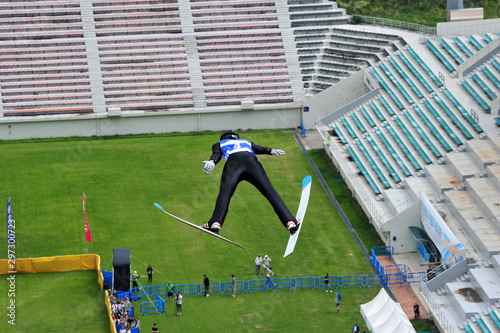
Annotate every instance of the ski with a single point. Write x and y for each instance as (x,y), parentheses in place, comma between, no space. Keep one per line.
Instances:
(196,226)
(304,200)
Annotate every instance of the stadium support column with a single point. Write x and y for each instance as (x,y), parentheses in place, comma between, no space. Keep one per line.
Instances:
(93,61)
(453,5)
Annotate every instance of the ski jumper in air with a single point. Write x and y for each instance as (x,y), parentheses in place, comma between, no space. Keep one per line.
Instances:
(242,164)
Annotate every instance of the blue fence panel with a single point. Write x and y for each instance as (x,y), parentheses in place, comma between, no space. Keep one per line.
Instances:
(119,326)
(305,282)
(383,251)
(215,287)
(257,285)
(156,306)
(241,286)
(160,290)
(376,280)
(353,280)
(136,294)
(334,282)
(188,289)
(395,269)
(282,283)
(396,279)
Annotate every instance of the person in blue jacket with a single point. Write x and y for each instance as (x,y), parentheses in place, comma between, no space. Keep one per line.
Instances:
(242,164)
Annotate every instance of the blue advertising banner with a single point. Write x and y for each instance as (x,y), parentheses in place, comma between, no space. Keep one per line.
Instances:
(441,235)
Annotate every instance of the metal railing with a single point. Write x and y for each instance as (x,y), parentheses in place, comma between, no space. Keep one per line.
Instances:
(422,29)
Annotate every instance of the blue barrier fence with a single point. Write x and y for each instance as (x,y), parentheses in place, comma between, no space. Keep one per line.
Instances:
(386,275)
(156,306)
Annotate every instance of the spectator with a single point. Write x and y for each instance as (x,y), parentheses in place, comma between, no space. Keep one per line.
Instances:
(170,291)
(123,330)
(129,328)
(137,323)
(233,285)
(126,304)
(150,274)
(327,282)
(130,321)
(430,273)
(206,283)
(112,297)
(154,329)
(268,277)
(266,261)
(258,262)
(416,311)
(178,302)
(355,328)
(135,277)
(338,298)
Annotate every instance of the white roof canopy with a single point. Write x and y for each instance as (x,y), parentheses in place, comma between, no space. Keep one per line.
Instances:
(383,315)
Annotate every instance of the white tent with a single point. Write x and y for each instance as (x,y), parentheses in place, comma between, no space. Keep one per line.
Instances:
(383,315)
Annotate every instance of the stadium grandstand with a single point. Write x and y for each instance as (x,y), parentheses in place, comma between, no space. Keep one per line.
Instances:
(408,114)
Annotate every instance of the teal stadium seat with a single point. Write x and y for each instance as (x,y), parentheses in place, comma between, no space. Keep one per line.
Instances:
(339,133)
(483,86)
(396,83)
(386,105)
(403,147)
(423,135)
(442,122)
(413,141)
(464,48)
(452,116)
(373,164)
(382,157)
(440,56)
(424,66)
(476,96)
(406,78)
(464,113)
(415,72)
(432,128)
(393,153)
(452,52)
(491,76)
(377,111)
(363,170)
(388,90)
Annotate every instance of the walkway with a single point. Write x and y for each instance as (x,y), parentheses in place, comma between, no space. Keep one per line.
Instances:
(405,295)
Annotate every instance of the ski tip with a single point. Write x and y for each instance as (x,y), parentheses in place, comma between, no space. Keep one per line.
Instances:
(306,181)
(158,206)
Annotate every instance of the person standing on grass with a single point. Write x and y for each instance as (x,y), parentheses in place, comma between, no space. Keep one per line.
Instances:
(416,311)
(206,284)
(338,298)
(178,302)
(327,282)
(258,263)
(170,291)
(150,274)
(154,329)
(135,277)
(233,285)
(242,164)
(355,328)
(266,261)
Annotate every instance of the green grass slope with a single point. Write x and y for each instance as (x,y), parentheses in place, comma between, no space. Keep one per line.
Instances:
(123,177)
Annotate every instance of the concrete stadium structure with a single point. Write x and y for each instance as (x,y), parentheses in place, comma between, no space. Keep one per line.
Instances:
(402,109)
